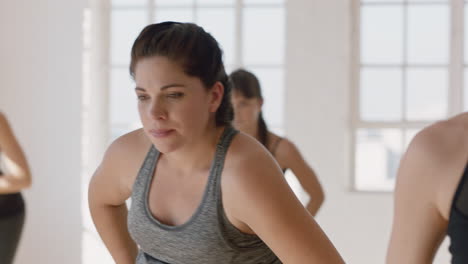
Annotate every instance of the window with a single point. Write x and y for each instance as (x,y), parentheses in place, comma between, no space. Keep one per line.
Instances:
(407,73)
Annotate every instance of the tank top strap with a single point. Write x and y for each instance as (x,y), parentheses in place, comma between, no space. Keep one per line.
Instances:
(460,200)
(145,174)
(220,156)
(275,146)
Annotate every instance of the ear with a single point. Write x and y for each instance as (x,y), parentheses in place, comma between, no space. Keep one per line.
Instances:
(216,96)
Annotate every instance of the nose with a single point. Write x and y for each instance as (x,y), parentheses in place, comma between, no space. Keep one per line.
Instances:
(157,111)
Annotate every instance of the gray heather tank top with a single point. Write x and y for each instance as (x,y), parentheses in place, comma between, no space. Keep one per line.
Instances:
(206,238)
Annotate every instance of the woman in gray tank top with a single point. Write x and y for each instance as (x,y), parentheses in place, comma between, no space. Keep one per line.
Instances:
(201,191)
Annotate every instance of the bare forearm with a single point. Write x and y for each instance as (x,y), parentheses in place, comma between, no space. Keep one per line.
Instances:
(111,223)
(314,206)
(317,198)
(12,184)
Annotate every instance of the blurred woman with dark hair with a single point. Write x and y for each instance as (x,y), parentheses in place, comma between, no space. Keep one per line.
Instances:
(247,101)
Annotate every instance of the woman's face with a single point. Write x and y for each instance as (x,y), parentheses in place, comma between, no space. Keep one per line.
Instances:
(246,111)
(175,109)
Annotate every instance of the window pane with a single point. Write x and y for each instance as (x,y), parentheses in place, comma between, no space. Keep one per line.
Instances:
(184,3)
(381,94)
(426,96)
(381,1)
(378,153)
(382,34)
(139,3)
(272,85)
(264,1)
(263,39)
(428,34)
(428,1)
(126,25)
(220,23)
(215,2)
(174,14)
(123,101)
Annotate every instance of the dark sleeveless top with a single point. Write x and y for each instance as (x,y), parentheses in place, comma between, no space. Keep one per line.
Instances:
(10,204)
(458,222)
(207,237)
(273,151)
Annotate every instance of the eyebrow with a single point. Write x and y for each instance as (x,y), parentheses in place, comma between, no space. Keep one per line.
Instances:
(163,87)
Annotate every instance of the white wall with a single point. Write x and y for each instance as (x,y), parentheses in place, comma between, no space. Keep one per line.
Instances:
(318,83)
(40,91)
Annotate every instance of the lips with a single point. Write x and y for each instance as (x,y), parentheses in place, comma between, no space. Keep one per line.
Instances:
(161,133)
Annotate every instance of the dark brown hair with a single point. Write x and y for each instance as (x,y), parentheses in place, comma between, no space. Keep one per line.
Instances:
(247,84)
(191,47)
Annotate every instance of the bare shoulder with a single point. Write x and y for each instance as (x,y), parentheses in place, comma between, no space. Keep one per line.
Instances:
(249,170)
(427,178)
(4,125)
(2,117)
(287,152)
(7,137)
(248,165)
(120,165)
(443,138)
(246,153)
(126,154)
(287,147)
(438,145)
(434,162)
(127,145)
(251,182)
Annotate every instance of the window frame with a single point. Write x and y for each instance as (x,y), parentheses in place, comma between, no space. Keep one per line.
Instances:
(455,68)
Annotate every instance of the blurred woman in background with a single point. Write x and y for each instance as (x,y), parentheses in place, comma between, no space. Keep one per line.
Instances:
(247,101)
(14,177)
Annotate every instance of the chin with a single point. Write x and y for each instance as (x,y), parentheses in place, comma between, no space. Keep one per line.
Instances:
(165,148)
(165,145)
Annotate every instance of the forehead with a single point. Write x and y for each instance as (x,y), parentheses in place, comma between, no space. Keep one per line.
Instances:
(160,71)
(157,66)
(239,97)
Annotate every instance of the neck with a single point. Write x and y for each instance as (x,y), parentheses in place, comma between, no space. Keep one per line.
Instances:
(196,156)
(251,130)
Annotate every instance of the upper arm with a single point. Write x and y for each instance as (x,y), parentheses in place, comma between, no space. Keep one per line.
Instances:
(13,157)
(111,180)
(264,201)
(418,227)
(293,159)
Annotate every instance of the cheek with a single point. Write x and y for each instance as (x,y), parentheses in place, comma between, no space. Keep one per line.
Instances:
(143,111)
(251,113)
(193,113)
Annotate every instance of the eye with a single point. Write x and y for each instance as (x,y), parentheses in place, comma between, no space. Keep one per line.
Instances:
(175,95)
(142,97)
